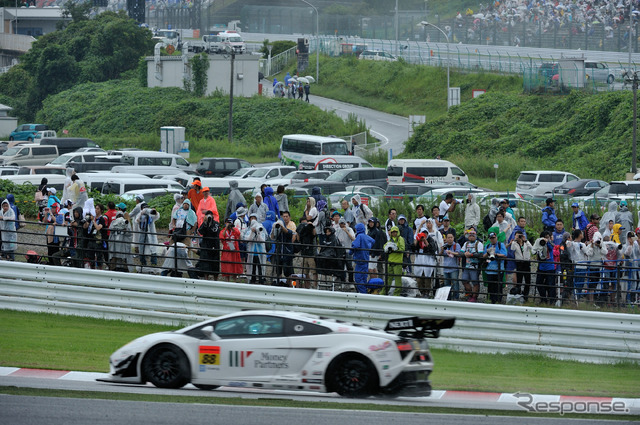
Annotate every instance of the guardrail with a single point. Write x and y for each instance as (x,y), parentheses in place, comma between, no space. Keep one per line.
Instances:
(597,337)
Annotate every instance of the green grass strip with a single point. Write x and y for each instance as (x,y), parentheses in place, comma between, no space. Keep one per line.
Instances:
(50,341)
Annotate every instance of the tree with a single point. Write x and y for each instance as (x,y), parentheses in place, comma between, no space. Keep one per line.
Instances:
(97,49)
(80,11)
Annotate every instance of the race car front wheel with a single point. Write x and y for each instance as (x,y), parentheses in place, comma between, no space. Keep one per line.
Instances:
(166,366)
(352,377)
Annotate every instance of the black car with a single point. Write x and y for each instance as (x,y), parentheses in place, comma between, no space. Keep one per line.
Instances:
(220,167)
(339,180)
(581,187)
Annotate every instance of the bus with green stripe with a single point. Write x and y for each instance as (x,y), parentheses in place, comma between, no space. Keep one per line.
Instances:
(296,147)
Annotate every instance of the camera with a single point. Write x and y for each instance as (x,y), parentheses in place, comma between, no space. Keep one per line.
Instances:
(542,242)
(277,225)
(598,242)
(260,229)
(87,217)
(492,257)
(153,211)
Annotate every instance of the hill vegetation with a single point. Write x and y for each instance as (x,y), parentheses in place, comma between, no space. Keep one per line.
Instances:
(589,135)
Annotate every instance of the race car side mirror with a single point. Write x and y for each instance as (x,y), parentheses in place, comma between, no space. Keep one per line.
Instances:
(209,333)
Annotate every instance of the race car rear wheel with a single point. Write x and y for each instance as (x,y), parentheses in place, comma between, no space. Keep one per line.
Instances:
(166,366)
(206,387)
(352,376)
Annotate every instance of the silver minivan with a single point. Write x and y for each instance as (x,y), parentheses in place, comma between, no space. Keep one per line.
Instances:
(149,158)
(29,154)
(542,183)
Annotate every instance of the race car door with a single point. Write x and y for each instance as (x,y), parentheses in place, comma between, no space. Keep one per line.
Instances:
(252,348)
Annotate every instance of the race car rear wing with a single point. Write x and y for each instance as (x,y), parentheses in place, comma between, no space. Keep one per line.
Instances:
(420,327)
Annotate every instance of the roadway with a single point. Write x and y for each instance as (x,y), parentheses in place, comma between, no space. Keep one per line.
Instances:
(28,410)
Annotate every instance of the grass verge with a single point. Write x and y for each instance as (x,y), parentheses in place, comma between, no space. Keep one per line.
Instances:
(266,402)
(52,341)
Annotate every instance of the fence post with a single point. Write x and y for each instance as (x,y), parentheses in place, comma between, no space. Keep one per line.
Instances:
(175,256)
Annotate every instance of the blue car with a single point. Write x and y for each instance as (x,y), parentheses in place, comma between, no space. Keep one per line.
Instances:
(27,131)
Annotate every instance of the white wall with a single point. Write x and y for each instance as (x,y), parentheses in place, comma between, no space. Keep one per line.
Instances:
(7,125)
(171,72)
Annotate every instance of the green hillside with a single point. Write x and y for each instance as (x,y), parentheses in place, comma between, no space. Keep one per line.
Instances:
(120,113)
(587,134)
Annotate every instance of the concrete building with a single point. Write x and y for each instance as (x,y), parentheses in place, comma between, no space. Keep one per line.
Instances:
(7,123)
(171,71)
(30,21)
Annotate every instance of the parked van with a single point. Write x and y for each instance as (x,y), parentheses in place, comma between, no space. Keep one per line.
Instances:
(44,133)
(29,154)
(147,158)
(95,181)
(542,183)
(68,144)
(53,180)
(65,159)
(339,180)
(426,171)
(27,131)
(119,186)
(331,163)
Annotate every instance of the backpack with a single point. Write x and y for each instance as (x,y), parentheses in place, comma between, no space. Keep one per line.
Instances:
(487,222)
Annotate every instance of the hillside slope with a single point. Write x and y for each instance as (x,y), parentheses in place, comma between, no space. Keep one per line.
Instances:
(589,135)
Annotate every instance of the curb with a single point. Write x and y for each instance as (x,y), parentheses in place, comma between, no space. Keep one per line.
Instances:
(504,401)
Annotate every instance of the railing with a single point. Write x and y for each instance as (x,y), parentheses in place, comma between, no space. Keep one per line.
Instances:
(278,62)
(586,336)
(270,258)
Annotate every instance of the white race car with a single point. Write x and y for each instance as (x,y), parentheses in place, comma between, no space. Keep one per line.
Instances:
(285,350)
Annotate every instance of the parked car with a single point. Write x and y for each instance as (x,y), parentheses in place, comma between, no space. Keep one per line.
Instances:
(68,144)
(254,348)
(542,183)
(27,131)
(41,169)
(598,72)
(299,177)
(247,179)
(8,171)
(628,190)
(336,198)
(220,167)
(66,158)
(148,194)
(339,180)
(44,133)
(377,55)
(580,187)
(29,154)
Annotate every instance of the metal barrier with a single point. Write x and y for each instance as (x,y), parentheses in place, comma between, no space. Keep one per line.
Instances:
(585,336)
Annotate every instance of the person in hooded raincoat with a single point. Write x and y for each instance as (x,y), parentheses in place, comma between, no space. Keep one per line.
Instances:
(12,204)
(380,238)
(235,197)
(281,197)
(120,239)
(471,212)
(259,208)
(148,238)
(394,248)
(178,198)
(426,246)
(66,194)
(361,213)
(209,261)
(331,255)
(8,231)
(230,260)
(624,218)
(184,219)
(609,215)
(77,192)
(360,248)
(176,257)
(255,236)
(270,201)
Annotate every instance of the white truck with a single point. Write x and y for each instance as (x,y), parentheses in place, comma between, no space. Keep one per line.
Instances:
(210,43)
(168,37)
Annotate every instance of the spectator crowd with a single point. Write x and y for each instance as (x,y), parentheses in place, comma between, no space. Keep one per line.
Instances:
(415,253)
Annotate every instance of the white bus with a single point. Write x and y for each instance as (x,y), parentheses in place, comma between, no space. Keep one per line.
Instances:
(295,147)
(424,171)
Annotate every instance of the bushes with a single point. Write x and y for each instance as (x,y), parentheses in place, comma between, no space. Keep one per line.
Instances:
(586,134)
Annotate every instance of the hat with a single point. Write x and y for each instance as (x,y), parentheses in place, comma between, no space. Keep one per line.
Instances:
(336,212)
(505,201)
(52,190)
(402,217)
(492,235)
(622,203)
(575,204)
(594,216)
(253,215)
(637,229)
(470,231)
(68,201)
(550,201)
(446,218)
(205,189)
(122,206)
(241,211)
(196,183)
(139,197)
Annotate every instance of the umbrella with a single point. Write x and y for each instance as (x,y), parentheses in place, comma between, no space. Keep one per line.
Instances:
(479,16)
(293,80)
(310,78)
(303,80)
(279,83)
